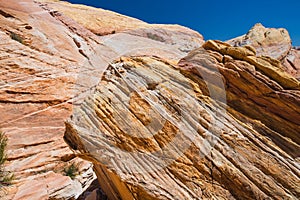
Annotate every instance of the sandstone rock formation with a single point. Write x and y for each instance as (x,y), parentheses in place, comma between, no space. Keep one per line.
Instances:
(275,43)
(158,113)
(50,57)
(153,132)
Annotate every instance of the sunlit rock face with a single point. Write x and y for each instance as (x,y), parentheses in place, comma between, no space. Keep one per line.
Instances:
(155,130)
(275,43)
(52,53)
(153,110)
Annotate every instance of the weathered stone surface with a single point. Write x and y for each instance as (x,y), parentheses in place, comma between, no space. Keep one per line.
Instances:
(153,132)
(292,63)
(269,66)
(36,66)
(50,57)
(275,43)
(255,93)
(98,21)
(53,55)
(272,42)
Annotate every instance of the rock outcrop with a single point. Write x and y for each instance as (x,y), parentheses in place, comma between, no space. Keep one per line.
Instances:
(155,130)
(152,110)
(50,57)
(275,43)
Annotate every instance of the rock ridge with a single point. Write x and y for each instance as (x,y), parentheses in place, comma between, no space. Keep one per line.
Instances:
(246,141)
(153,110)
(50,60)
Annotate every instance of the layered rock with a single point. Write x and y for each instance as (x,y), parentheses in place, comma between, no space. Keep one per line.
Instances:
(275,43)
(155,126)
(155,130)
(292,62)
(256,86)
(50,59)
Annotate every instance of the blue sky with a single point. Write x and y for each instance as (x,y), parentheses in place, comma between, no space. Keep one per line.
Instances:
(213,19)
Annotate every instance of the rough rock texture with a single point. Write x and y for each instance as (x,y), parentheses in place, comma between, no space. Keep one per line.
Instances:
(155,130)
(150,125)
(50,57)
(292,62)
(37,64)
(275,43)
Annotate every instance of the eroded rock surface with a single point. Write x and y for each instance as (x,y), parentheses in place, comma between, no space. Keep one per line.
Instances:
(50,58)
(153,132)
(157,125)
(275,43)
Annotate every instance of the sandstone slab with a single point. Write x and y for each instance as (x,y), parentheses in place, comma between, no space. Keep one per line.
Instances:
(51,58)
(153,132)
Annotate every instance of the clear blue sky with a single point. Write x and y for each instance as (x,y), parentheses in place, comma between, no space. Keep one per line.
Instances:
(213,19)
